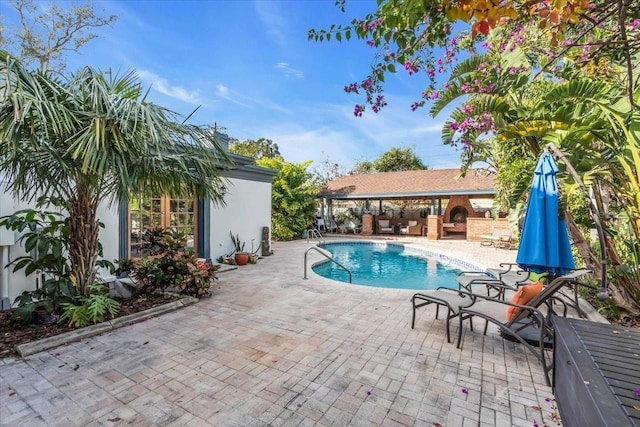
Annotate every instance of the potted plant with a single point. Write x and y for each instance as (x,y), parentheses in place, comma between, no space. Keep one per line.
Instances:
(241,257)
(253,256)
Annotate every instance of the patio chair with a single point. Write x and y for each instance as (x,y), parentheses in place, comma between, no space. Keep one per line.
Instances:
(384,226)
(412,229)
(446,297)
(491,239)
(506,240)
(351,226)
(507,277)
(332,227)
(523,322)
(454,299)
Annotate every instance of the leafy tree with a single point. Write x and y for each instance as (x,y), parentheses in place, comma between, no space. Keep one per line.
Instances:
(394,160)
(257,149)
(363,167)
(398,160)
(293,197)
(409,34)
(587,117)
(46,34)
(94,138)
(327,171)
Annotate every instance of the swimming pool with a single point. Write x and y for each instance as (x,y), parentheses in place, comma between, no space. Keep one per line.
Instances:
(387,265)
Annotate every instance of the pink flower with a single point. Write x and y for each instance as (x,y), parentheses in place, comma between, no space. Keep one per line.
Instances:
(353,87)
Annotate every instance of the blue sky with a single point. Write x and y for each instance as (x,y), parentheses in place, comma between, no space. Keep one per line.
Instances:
(250,69)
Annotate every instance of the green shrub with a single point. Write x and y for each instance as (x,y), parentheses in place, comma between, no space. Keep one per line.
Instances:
(45,237)
(171,266)
(92,309)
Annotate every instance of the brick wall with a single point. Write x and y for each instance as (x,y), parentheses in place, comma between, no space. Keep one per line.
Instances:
(463,201)
(478,226)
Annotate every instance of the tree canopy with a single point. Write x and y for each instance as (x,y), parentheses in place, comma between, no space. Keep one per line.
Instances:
(424,38)
(394,160)
(293,197)
(46,34)
(258,148)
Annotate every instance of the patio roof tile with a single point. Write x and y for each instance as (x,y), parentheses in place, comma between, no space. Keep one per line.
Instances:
(432,182)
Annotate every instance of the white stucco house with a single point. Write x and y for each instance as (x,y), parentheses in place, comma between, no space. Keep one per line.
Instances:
(246,212)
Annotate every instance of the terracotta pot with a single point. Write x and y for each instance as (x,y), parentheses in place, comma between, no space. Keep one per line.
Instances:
(242,258)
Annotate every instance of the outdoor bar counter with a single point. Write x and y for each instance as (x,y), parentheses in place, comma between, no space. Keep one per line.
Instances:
(596,373)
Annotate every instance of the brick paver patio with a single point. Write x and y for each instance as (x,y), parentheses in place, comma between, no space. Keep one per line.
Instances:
(270,348)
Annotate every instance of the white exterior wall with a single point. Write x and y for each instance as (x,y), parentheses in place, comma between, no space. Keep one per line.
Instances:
(7,240)
(109,235)
(247,211)
(13,284)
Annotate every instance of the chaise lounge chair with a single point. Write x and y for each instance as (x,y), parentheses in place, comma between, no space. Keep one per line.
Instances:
(499,238)
(490,239)
(526,324)
(507,277)
(331,225)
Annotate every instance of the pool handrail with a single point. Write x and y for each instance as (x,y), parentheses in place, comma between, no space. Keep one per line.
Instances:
(315,233)
(327,257)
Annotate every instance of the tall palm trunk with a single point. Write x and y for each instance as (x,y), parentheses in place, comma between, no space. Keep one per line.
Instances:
(83,237)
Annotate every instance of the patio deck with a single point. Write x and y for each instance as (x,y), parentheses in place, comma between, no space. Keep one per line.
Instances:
(270,348)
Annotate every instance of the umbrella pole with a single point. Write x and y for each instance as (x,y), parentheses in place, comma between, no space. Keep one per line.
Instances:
(603,294)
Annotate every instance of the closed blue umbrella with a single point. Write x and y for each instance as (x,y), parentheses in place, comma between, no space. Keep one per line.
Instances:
(544,242)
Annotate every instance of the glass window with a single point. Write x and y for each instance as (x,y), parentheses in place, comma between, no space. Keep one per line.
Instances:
(150,212)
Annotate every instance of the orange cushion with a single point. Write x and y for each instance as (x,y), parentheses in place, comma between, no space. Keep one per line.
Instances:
(523,295)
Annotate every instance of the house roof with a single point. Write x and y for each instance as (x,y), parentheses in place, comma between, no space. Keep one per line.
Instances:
(421,183)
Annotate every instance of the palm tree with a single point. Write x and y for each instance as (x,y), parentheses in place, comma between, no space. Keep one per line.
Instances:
(95,138)
(591,119)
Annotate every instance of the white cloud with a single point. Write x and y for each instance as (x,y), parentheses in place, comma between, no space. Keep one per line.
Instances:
(272,20)
(222,91)
(163,86)
(397,126)
(330,131)
(249,102)
(288,70)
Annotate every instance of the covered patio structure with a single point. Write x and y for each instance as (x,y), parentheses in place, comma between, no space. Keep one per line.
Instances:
(441,202)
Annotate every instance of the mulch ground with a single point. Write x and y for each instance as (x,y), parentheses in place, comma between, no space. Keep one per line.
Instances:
(13,334)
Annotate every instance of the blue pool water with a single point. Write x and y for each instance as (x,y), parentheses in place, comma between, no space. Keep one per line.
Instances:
(387,266)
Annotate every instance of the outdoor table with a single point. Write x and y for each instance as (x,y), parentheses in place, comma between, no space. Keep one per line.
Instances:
(596,373)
